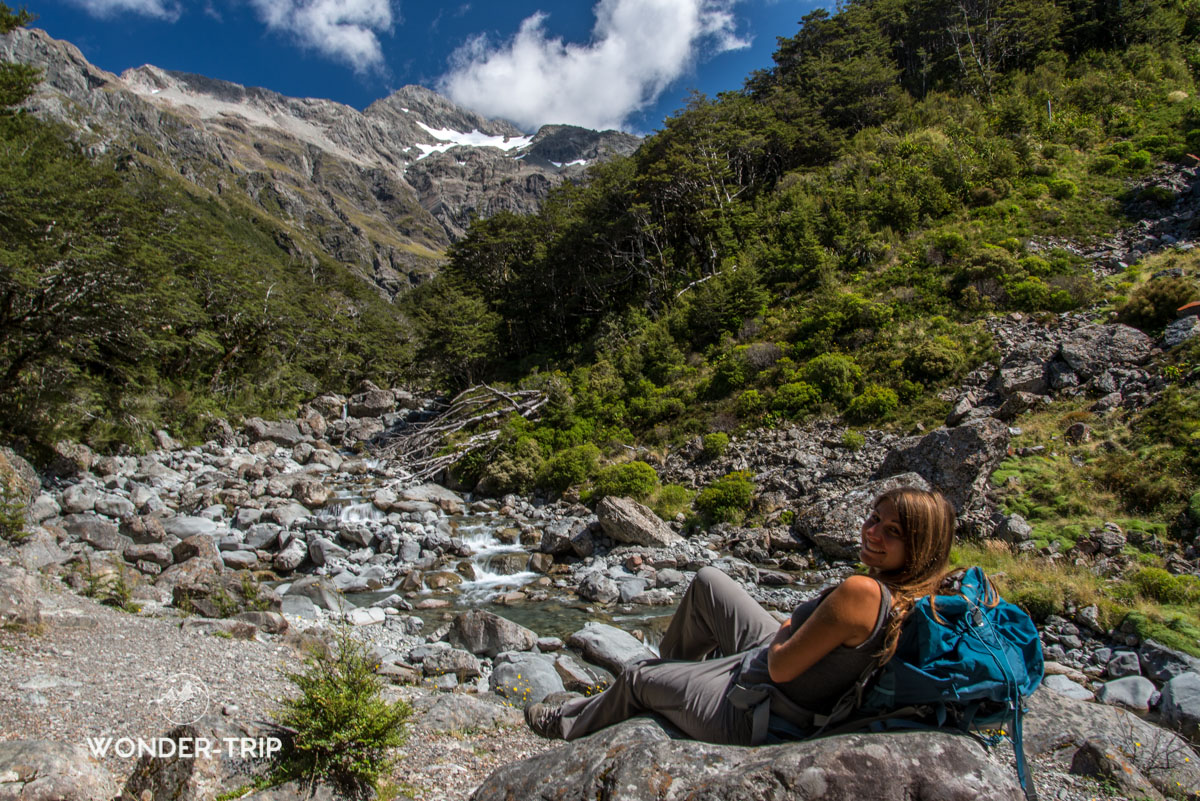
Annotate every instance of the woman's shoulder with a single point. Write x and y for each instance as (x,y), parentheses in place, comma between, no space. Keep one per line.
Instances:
(858,598)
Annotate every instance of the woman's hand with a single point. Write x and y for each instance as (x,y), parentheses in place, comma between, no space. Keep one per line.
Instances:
(846,617)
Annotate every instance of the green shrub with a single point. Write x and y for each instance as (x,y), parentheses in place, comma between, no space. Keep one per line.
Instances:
(750,404)
(836,375)
(12,513)
(516,468)
(571,466)
(1106,163)
(670,500)
(1153,304)
(853,440)
(934,360)
(636,480)
(1159,585)
(715,444)
(1158,195)
(727,499)
(343,728)
(875,403)
(795,399)
(1139,160)
(1062,189)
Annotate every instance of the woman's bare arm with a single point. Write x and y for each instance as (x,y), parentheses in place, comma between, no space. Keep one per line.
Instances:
(846,617)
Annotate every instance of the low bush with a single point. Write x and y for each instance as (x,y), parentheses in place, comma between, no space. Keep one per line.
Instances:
(670,500)
(795,399)
(714,444)
(636,480)
(750,404)
(1063,189)
(570,466)
(874,404)
(727,499)
(343,727)
(1153,304)
(836,375)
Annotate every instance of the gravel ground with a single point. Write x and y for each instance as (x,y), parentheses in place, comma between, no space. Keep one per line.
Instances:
(94,671)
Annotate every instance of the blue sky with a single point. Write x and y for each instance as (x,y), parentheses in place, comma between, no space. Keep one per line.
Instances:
(604,63)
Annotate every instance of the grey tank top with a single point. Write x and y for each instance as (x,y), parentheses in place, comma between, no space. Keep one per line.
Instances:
(818,688)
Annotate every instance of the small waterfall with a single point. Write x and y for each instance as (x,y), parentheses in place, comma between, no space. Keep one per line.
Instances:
(360,512)
(481,539)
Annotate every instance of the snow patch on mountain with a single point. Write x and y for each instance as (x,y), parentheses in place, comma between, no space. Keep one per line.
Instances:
(448,138)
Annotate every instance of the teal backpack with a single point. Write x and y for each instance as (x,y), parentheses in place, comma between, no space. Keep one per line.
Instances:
(965,660)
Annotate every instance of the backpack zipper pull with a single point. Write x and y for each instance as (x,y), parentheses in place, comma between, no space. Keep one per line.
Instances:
(976,616)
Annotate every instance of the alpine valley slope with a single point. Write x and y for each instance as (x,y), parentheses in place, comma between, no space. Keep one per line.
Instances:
(383,191)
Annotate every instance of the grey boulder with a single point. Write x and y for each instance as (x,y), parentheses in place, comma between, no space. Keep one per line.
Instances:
(626,520)
(1161,663)
(1064,686)
(1131,692)
(1093,349)
(487,634)
(524,678)
(955,461)
(43,770)
(638,760)
(609,647)
(1180,705)
(452,712)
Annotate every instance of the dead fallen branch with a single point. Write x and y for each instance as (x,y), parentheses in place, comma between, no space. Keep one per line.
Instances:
(422,449)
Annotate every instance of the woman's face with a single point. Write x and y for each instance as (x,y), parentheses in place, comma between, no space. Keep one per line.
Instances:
(883,549)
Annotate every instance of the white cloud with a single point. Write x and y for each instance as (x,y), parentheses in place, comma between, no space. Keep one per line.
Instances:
(344,30)
(638,49)
(162,9)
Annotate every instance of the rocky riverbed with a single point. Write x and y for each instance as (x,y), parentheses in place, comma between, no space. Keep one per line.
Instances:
(237,553)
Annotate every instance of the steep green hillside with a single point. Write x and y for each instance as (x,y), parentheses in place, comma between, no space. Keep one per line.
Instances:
(128,301)
(828,239)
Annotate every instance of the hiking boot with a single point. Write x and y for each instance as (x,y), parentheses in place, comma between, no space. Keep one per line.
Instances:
(545,720)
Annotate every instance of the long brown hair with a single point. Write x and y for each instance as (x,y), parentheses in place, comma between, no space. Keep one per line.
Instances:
(927,528)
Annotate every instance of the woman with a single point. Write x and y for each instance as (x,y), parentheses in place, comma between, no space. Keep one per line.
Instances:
(753,668)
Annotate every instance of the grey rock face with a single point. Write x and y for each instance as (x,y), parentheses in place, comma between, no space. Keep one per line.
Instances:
(955,461)
(1131,692)
(487,634)
(609,646)
(626,520)
(78,498)
(835,526)
(1162,664)
(96,532)
(1091,350)
(524,678)
(1180,331)
(637,759)
(44,769)
(1180,704)
(462,665)
(1014,529)
(461,712)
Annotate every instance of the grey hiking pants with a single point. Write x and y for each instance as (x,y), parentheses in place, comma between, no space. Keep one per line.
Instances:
(715,618)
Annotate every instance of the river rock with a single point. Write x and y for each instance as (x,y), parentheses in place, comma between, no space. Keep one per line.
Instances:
(571,535)
(449,501)
(185,526)
(44,770)
(311,494)
(626,520)
(1162,664)
(459,712)
(78,498)
(96,532)
(288,514)
(1064,686)
(524,678)
(835,525)
(463,665)
(637,760)
(598,587)
(1122,664)
(154,552)
(284,433)
(115,506)
(239,560)
(70,458)
(22,478)
(19,593)
(315,588)
(321,550)
(485,633)
(365,616)
(372,403)
(1131,692)
(609,646)
(955,461)
(580,678)
(1180,704)
(291,556)
(40,550)
(42,508)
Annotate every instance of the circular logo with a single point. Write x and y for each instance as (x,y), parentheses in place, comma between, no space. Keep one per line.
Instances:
(183,699)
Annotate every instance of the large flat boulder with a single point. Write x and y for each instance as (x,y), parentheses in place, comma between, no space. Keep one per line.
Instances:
(626,520)
(638,761)
(485,633)
(835,525)
(1092,349)
(43,770)
(609,647)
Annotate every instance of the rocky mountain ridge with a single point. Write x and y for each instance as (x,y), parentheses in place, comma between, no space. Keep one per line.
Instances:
(383,191)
